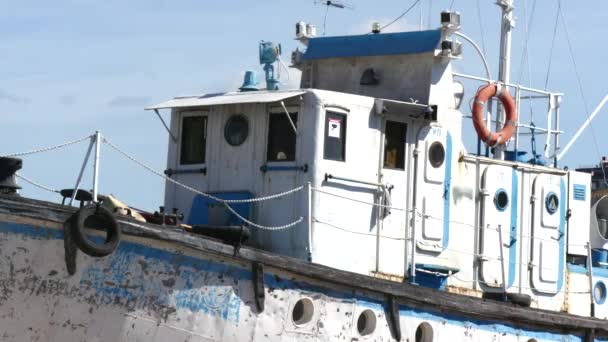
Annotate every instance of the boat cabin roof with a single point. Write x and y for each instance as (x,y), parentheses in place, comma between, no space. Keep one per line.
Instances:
(215,99)
(381,106)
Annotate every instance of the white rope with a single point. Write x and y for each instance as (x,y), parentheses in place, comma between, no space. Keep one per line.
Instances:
(46,149)
(314,219)
(36,183)
(358,201)
(224,202)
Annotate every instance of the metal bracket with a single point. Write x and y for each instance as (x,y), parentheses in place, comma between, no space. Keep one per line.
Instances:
(257,270)
(173,137)
(392,315)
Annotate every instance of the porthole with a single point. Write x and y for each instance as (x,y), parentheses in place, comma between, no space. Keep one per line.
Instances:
(501,200)
(236,130)
(436,154)
(302,311)
(599,292)
(366,323)
(551,203)
(424,332)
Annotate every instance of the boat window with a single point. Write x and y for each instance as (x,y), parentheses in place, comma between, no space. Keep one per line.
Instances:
(194,140)
(394,145)
(436,154)
(236,130)
(335,136)
(281,137)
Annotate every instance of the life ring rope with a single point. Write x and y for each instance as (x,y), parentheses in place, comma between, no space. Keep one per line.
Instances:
(483,132)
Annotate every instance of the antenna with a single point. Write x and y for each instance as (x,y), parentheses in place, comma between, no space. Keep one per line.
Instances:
(335,3)
(341,4)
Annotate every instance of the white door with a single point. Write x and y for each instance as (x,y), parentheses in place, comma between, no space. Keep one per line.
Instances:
(394,173)
(548,233)
(499,214)
(433,189)
(280,172)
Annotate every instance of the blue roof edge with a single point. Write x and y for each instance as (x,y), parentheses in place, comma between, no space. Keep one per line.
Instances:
(399,43)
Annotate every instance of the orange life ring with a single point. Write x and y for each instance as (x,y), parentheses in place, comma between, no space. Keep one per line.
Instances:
(487,136)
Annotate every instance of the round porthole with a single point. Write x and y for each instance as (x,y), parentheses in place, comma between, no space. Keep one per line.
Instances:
(436,154)
(366,323)
(551,203)
(302,311)
(424,333)
(236,130)
(599,292)
(501,199)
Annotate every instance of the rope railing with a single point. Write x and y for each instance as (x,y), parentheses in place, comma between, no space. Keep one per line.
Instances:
(207,195)
(46,149)
(36,184)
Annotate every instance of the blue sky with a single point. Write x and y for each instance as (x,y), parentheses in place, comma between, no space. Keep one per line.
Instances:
(68,68)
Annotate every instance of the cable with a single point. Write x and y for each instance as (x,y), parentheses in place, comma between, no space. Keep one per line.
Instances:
(401,16)
(325,19)
(452,4)
(479,17)
(559,4)
(580,87)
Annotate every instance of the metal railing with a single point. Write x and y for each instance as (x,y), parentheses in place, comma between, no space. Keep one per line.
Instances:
(551,148)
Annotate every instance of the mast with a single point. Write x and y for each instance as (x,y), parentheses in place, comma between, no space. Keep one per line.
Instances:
(504,68)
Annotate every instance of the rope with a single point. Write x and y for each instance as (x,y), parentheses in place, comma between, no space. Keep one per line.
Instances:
(557,16)
(580,87)
(36,184)
(314,219)
(358,201)
(224,202)
(46,149)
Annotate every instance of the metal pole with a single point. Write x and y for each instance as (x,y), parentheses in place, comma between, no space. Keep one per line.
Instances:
(517,106)
(84,165)
(504,69)
(502,263)
(558,101)
(96,165)
(309,186)
(590,274)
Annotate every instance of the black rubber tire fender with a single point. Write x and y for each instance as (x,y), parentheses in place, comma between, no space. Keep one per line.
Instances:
(110,225)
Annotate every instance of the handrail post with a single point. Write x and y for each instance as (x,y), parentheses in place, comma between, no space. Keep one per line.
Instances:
(96,165)
(309,188)
(590,274)
(502,264)
(82,168)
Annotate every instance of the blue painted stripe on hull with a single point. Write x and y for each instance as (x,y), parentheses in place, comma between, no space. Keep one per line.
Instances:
(130,251)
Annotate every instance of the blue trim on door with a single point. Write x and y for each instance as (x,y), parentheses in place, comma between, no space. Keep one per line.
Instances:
(514,221)
(562,234)
(447,180)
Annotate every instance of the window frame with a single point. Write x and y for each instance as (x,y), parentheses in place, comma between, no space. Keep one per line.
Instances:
(182,116)
(386,121)
(280,111)
(326,133)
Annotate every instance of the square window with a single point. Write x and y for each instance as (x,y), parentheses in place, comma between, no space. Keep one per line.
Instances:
(281,138)
(194,140)
(335,136)
(394,145)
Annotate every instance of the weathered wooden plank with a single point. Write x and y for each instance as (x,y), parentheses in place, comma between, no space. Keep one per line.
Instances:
(405,293)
